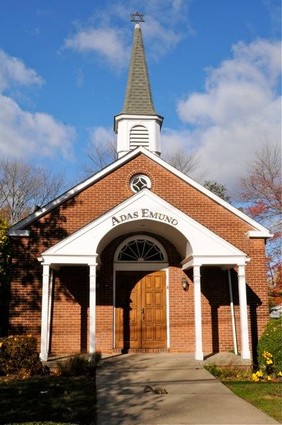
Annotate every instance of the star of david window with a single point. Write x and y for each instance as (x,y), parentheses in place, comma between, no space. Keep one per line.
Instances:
(140,250)
(139,182)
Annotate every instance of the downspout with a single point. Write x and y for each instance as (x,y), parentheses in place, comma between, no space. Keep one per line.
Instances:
(232,313)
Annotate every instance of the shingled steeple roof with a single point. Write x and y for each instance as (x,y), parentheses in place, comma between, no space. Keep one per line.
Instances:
(138,98)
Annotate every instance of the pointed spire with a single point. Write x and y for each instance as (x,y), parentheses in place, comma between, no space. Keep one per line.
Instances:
(138,125)
(138,99)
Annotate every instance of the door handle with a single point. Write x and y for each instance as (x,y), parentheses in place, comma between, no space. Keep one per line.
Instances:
(143,313)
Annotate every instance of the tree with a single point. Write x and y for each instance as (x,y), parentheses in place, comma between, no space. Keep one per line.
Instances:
(218,189)
(261,191)
(23,187)
(5,276)
(101,152)
(182,161)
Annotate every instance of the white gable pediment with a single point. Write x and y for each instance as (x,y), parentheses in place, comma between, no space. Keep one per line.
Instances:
(148,212)
(18,229)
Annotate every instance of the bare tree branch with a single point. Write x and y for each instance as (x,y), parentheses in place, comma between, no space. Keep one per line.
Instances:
(182,161)
(22,187)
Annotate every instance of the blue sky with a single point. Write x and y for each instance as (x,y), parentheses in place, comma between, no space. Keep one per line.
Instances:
(214,65)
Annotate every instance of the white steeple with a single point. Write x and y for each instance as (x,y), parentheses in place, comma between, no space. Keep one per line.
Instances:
(138,124)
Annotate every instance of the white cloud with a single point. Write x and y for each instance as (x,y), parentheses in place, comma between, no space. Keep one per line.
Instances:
(24,134)
(101,136)
(161,39)
(107,42)
(13,71)
(166,23)
(239,110)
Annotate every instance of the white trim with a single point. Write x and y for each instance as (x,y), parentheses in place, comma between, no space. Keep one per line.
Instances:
(245,349)
(114,308)
(69,259)
(45,313)
(198,314)
(19,233)
(209,260)
(50,300)
(262,231)
(167,310)
(232,313)
(123,117)
(92,308)
(259,234)
(121,266)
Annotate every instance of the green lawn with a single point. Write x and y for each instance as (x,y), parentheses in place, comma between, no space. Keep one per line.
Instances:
(266,396)
(56,399)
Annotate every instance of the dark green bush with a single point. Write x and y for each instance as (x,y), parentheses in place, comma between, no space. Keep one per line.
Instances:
(270,342)
(80,365)
(18,354)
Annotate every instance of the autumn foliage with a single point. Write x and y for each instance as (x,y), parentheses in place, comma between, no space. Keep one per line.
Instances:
(261,191)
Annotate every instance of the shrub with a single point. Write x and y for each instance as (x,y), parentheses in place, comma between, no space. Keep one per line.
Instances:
(80,365)
(18,354)
(270,343)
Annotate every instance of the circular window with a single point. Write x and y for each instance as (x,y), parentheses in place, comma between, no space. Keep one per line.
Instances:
(139,182)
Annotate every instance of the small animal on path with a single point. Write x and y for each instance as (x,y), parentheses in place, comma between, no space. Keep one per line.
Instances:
(156,390)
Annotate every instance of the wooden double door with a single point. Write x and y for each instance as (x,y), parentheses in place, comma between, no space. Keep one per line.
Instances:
(141,310)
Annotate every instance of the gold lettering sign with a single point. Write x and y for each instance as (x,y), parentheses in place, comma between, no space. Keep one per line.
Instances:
(144,213)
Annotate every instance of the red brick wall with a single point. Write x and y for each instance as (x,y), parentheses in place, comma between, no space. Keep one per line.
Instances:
(71,293)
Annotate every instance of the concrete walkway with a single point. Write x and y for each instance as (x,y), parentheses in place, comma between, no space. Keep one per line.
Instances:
(194,395)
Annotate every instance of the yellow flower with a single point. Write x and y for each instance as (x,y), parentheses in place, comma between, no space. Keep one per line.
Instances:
(255,377)
(279,373)
(259,374)
(269,378)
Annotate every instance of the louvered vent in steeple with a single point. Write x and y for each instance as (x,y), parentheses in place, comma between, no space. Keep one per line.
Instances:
(139,136)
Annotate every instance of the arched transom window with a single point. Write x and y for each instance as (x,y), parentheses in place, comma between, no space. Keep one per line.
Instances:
(141,249)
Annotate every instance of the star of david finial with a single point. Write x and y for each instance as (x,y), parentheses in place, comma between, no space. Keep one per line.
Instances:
(137,17)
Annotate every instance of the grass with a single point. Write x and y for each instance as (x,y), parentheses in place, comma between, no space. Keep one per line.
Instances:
(266,396)
(48,399)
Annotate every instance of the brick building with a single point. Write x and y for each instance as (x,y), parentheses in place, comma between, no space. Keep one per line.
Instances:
(139,256)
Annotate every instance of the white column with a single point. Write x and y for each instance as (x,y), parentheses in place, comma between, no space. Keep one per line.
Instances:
(50,294)
(198,313)
(233,324)
(245,350)
(44,313)
(92,307)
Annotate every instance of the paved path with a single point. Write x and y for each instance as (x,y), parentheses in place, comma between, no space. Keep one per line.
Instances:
(194,395)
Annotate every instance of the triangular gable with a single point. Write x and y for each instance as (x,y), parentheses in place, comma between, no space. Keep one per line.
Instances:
(258,229)
(146,207)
